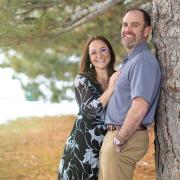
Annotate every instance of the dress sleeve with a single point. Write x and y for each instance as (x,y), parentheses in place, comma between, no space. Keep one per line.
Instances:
(87,97)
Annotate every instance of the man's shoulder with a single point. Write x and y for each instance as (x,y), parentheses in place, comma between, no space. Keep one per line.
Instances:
(145,56)
(149,53)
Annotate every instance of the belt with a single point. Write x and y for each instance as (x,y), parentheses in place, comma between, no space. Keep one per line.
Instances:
(112,127)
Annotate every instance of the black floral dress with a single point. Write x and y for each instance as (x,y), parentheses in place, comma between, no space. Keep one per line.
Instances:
(80,160)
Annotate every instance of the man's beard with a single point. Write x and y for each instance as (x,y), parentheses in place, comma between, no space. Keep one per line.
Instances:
(130,45)
(133,42)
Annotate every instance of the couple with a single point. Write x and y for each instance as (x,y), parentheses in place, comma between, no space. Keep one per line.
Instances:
(114,107)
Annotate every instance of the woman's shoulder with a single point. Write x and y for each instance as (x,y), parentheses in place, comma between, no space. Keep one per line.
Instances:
(83,78)
(86,76)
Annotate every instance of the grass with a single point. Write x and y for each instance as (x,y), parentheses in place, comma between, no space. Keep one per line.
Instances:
(30,149)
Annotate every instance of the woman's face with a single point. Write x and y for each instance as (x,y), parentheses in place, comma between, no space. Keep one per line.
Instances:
(99,54)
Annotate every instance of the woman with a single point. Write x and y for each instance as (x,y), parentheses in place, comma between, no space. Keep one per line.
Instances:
(94,86)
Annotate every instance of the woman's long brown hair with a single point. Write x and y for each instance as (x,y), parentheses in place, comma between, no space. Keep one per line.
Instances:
(85,60)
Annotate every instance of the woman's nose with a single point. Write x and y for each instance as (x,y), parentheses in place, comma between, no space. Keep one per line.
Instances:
(99,54)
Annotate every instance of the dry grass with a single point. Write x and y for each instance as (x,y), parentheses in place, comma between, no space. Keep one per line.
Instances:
(31,149)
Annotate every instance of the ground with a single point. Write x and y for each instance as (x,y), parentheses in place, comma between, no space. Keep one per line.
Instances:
(30,149)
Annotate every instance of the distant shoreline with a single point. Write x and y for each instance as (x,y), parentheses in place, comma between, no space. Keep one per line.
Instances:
(13,109)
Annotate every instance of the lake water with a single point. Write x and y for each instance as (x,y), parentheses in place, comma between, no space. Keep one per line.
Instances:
(13,103)
(12,109)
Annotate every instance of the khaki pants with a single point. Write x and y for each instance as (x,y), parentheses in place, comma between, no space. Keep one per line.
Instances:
(120,166)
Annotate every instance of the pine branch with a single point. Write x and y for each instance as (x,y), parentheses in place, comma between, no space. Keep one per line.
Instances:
(57,27)
(87,14)
(39,6)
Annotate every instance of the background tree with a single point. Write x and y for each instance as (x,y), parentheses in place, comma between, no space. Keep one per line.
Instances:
(47,37)
(38,40)
(166,20)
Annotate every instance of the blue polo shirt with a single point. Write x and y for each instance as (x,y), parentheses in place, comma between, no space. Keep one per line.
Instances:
(140,77)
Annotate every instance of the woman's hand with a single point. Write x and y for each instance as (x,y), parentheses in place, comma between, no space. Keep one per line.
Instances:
(104,98)
(113,79)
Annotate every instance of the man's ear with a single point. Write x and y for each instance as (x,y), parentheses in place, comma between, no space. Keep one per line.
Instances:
(147,31)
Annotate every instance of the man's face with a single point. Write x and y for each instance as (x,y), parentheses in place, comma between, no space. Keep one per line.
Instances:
(133,30)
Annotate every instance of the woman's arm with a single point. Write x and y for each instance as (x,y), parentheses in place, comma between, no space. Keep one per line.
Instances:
(87,95)
(104,98)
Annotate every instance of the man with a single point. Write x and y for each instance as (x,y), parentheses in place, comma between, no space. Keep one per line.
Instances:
(132,106)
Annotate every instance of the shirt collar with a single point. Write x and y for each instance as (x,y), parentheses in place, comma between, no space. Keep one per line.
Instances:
(139,48)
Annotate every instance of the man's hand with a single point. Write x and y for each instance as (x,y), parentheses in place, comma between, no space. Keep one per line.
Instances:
(118,145)
(133,119)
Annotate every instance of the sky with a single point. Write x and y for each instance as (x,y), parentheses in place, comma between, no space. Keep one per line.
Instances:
(13,103)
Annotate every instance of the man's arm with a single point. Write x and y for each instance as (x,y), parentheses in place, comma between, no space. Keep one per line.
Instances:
(133,119)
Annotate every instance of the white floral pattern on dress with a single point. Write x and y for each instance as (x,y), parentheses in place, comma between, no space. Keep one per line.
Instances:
(80,160)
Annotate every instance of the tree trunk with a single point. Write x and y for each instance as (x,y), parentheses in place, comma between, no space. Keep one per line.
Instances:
(166,37)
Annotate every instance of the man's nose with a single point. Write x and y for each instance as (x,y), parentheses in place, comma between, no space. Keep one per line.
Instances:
(128,29)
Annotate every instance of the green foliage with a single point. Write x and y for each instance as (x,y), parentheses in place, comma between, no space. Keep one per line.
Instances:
(32,28)
(45,71)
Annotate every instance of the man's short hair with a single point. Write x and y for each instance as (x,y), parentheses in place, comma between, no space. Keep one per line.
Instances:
(147,18)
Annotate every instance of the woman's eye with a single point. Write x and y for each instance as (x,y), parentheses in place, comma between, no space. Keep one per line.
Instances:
(103,50)
(93,53)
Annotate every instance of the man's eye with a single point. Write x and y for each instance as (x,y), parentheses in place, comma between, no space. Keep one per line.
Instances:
(124,25)
(135,25)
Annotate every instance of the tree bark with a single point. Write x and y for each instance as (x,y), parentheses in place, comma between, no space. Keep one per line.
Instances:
(166,38)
